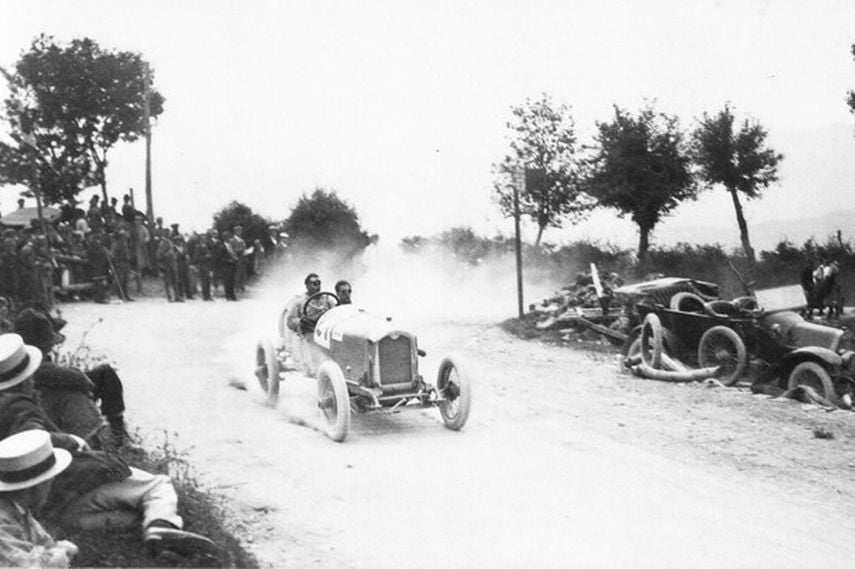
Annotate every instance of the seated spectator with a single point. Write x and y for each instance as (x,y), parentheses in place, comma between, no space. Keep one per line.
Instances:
(98,489)
(57,386)
(28,465)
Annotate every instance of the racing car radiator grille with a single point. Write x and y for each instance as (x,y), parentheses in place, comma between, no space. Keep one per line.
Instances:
(395,360)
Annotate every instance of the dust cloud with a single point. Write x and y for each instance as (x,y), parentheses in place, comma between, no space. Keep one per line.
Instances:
(416,290)
(430,286)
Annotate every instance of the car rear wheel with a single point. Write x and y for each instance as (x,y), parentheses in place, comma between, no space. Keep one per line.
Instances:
(267,371)
(333,401)
(454,387)
(813,375)
(651,341)
(721,347)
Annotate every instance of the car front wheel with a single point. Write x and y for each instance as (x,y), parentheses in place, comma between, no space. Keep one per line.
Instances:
(454,387)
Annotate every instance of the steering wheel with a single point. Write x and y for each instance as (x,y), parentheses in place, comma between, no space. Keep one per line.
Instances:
(307,323)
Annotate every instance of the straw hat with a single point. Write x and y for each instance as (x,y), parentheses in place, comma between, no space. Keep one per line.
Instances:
(28,459)
(18,361)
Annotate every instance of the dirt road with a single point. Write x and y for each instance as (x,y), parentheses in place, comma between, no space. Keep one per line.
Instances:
(564,463)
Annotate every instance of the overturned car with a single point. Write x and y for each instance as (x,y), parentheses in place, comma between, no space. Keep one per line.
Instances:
(362,363)
(684,323)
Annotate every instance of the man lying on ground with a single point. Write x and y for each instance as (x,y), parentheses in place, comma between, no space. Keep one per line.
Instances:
(98,490)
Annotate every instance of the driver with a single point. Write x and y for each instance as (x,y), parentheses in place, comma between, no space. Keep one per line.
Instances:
(301,323)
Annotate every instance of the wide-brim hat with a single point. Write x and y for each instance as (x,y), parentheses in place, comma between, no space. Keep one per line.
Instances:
(28,459)
(18,361)
(38,328)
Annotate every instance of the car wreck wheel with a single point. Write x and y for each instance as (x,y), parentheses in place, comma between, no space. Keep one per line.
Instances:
(453,385)
(813,375)
(333,401)
(721,347)
(651,341)
(267,371)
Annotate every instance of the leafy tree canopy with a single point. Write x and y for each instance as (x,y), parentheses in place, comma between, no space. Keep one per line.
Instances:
(324,221)
(738,160)
(68,106)
(254,226)
(640,167)
(544,143)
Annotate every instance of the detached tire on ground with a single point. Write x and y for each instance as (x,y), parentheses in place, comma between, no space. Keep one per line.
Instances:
(721,347)
(815,376)
(651,341)
(453,384)
(267,371)
(333,401)
(631,349)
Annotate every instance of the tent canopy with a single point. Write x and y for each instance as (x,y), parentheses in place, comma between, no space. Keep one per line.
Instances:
(21,217)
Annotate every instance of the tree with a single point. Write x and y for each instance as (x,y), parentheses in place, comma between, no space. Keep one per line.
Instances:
(236,213)
(544,143)
(850,96)
(640,166)
(324,221)
(739,161)
(68,106)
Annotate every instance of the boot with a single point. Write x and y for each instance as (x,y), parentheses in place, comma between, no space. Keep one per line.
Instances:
(118,429)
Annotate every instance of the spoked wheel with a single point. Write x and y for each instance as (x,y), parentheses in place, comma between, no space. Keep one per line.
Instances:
(813,375)
(267,371)
(722,347)
(454,386)
(651,341)
(333,401)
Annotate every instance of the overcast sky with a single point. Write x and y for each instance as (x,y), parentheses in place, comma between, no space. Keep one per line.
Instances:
(401,106)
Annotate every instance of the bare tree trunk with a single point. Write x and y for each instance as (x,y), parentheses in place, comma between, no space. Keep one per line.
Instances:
(743,227)
(643,244)
(540,229)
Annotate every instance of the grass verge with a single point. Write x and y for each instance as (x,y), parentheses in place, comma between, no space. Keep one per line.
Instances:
(203,512)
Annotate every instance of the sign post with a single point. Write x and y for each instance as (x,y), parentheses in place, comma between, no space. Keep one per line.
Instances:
(519,186)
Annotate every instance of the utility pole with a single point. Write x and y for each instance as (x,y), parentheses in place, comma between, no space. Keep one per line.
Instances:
(518,180)
(147,117)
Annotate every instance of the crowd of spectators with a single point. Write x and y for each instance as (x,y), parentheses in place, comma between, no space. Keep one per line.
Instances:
(105,251)
(46,409)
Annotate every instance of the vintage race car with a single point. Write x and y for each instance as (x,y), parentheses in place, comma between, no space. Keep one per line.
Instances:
(363,363)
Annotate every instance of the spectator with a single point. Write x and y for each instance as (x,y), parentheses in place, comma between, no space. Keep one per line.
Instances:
(202,256)
(94,216)
(183,264)
(141,237)
(28,465)
(98,266)
(120,253)
(98,488)
(225,264)
(167,261)
(238,247)
(129,212)
(58,387)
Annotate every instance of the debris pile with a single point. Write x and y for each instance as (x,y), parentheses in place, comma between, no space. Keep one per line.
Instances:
(585,310)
